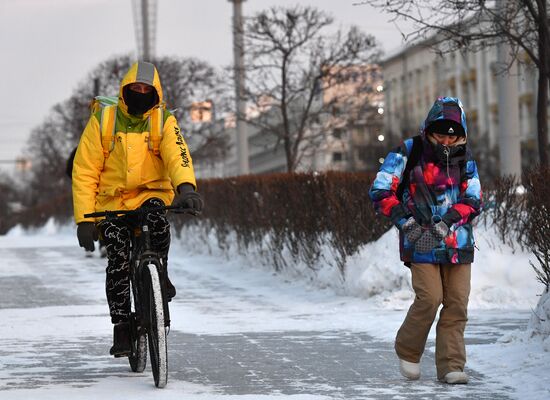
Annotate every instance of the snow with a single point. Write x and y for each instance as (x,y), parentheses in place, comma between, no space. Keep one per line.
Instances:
(51,234)
(501,276)
(110,388)
(502,280)
(372,297)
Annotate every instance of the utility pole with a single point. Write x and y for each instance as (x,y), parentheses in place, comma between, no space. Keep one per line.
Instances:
(96,86)
(145,23)
(238,55)
(144,12)
(508,110)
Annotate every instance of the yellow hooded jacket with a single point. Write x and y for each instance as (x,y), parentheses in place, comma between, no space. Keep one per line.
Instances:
(132,173)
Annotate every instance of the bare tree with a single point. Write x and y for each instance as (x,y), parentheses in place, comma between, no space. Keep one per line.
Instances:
(295,62)
(188,81)
(475,24)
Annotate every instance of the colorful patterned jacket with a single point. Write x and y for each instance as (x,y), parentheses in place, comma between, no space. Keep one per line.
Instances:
(444,183)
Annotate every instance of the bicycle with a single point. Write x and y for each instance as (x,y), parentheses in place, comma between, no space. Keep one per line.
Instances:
(150,316)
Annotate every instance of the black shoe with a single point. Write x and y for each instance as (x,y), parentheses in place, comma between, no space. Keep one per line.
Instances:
(121,340)
(170,289)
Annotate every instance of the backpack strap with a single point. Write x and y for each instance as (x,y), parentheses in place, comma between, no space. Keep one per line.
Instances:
(156,124)
(107,126)
(412,160)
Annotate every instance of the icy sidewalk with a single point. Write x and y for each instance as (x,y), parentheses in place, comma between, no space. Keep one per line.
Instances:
(504,291)
(238,332)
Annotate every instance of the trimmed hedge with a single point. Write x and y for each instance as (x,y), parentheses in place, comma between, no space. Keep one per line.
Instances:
(299,212)
(304,212)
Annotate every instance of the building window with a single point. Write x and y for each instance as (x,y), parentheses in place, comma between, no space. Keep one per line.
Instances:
(201,111)
(338,133)
(337,156)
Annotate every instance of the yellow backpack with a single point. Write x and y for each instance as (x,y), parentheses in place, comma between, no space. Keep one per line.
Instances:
(107,123)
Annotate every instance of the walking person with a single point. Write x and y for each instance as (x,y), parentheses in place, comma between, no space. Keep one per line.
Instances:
(429,187)
(141,160)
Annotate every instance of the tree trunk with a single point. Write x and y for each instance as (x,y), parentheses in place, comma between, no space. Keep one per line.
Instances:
(543,85)
(542,118)
(288,154)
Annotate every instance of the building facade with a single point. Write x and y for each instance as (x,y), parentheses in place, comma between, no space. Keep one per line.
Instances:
(347,134)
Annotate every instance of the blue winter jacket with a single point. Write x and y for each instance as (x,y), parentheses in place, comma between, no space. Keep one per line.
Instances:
(444,183)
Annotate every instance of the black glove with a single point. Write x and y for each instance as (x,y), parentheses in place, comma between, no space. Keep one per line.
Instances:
(187,198)
(87,233)
(412,230)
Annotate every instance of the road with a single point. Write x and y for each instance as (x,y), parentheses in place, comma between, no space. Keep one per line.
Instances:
(235,335)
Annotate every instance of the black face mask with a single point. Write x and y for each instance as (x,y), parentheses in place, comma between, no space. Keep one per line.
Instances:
(448,153)
(139,103)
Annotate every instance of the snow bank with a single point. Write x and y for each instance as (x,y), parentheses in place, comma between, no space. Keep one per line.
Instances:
(519,358)
(51,234)
(539,325)
(501,276)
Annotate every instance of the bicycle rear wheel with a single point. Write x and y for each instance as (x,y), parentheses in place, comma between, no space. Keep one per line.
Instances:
(158,349)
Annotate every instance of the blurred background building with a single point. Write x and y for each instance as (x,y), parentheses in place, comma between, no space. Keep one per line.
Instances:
(344,146)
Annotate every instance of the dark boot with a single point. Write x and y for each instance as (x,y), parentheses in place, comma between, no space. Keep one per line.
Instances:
(170,289)
(121,340)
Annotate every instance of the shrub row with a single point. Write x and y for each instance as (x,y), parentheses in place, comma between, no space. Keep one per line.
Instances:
(303,213)
(299,212)
(58,207)
(537,222)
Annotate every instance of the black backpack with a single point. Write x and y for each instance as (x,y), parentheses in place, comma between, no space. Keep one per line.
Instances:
(412,160)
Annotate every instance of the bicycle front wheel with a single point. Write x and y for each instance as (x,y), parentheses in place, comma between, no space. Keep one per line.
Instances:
(158,349)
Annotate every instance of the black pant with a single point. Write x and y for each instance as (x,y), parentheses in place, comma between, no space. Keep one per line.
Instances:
(117,239)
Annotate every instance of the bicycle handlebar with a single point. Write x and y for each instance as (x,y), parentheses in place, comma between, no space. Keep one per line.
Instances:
(137,211)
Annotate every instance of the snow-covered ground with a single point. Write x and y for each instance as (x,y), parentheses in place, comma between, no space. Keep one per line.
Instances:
(502,280)
(372,298)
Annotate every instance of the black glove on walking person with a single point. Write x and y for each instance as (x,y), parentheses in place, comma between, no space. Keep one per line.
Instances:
(188,198)
(87,233)
(412,230)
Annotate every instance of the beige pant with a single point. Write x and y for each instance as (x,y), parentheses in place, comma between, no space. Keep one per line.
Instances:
(434,284)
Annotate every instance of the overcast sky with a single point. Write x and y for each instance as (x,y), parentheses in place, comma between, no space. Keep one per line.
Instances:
(48,46)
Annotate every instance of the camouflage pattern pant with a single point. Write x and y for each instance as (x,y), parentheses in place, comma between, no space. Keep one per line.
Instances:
(116,235)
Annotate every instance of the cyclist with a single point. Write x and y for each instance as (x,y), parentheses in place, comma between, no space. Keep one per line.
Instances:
(127,176)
